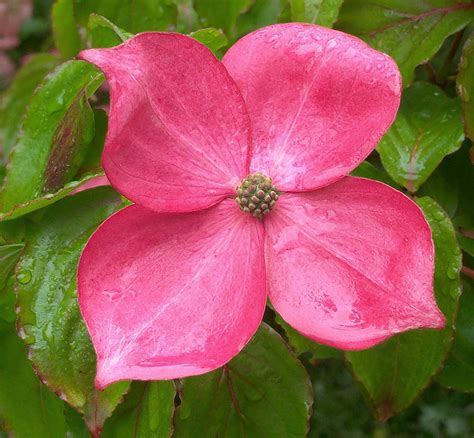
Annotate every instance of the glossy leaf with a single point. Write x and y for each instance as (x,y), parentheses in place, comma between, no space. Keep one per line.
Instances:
(48,199)
(458,371)
(261,13)
(65,33)
(187,19)
(409,31)
(465,85)
(395,372)
(214,39)
(221,14)
(15,100)
(49,317)
(447,187)
(427,128)
(147,412)
(368,170)
(27,407)
(323,12)
(9,255)
(104,33)
(145,15)
(91,165)
(133,15)
(12,232)
(56,130)
(7,301)
(302,344)
(264,391)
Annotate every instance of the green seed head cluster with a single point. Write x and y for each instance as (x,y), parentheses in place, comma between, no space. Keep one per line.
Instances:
(256,195)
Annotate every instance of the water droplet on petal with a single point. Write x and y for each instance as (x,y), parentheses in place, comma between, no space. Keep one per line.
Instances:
(112,295)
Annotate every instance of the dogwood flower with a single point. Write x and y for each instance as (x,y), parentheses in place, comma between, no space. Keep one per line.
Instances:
(237,170)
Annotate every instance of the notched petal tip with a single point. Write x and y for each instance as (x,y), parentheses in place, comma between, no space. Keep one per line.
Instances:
(94,56)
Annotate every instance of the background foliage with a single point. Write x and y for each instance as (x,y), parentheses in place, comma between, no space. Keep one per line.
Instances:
(52,129)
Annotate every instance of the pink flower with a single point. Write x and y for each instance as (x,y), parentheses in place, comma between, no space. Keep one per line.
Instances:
(176,284)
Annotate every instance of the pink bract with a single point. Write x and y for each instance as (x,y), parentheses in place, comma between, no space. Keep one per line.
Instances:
(176,284)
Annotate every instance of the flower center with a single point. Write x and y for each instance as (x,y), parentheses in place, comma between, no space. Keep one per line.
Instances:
(256,195)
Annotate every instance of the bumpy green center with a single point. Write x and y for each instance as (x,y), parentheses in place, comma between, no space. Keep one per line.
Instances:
(256,195)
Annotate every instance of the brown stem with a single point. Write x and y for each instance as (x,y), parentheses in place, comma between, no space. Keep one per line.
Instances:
(449,57)
(468,271)
(431,73)
(467,233)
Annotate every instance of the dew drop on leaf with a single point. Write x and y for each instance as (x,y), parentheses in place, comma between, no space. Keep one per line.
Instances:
(24,277)
(452,272)
(455,291)
(438,215)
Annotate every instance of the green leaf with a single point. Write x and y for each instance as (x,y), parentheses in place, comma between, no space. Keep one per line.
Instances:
(302,344)
(187,19)
(323,12)
(47,199)
(12,232)
(221,14)
(458,371)
(263,391)
(150,15)
(27,408)
(65,34)
(262,13)
(76,426)
(465,85)
(49,317)
(104,33)
(56,129)
(427,128)
(447,187)
(83,8)
(9,255)
(368,170)
(7,300)
(91,165)
(466,241)
(409,31)
(396,371)
(15,100)
(133,15)
(147,412)
(214,39)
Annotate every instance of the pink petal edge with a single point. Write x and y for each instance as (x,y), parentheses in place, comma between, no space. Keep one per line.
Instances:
(319,101)
(97,181)
(179,132)
(344,266)
(171,295)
